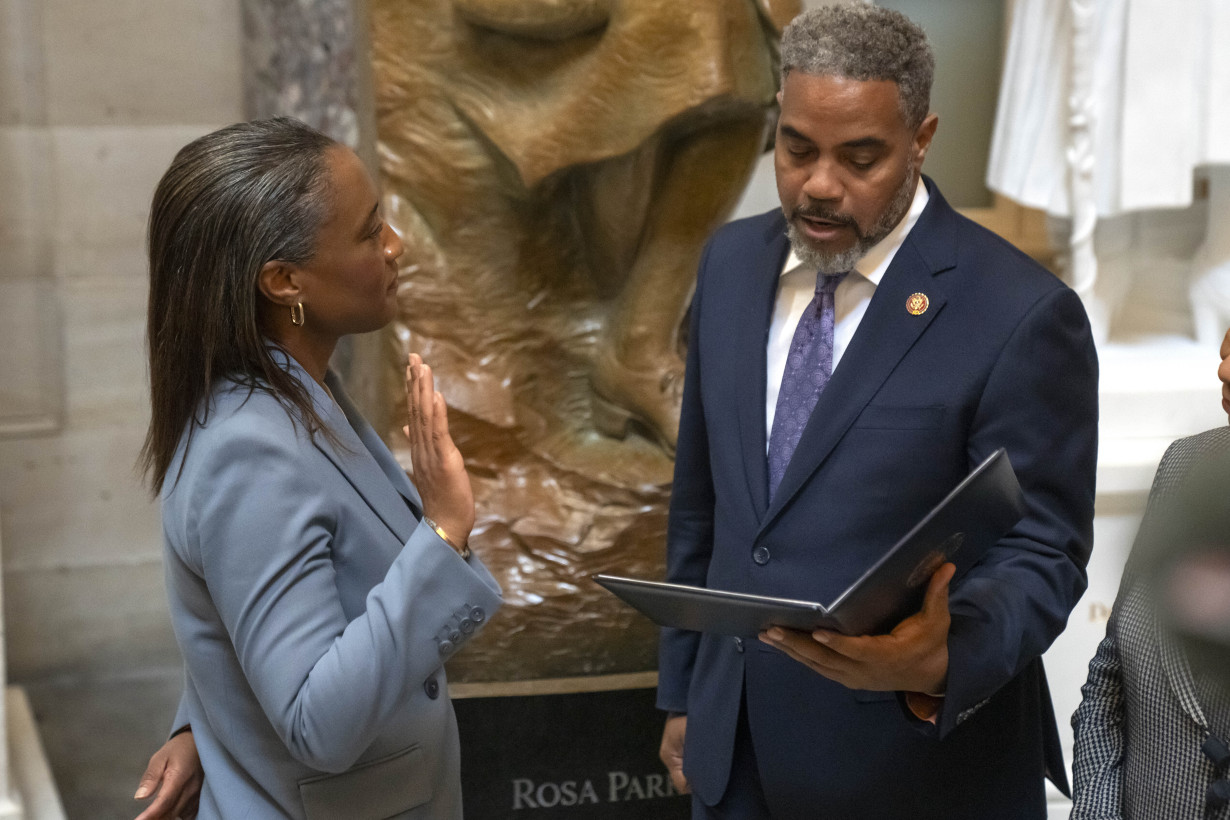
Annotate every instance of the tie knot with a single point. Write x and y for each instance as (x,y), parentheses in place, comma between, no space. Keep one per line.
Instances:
(826,283)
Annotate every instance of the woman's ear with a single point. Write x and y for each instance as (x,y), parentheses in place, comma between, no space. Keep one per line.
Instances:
(278,282)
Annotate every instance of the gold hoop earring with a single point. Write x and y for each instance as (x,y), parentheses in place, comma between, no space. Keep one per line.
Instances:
(296,315)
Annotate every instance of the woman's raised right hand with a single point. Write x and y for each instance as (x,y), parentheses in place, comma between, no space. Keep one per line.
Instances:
(439,469)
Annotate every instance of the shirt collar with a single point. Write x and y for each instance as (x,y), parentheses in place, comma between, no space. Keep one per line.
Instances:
(876,261)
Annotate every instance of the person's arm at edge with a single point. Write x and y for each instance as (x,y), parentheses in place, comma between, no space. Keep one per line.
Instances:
(1097,756)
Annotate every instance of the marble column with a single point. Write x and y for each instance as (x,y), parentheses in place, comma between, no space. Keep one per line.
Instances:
(307,59)
(310,59)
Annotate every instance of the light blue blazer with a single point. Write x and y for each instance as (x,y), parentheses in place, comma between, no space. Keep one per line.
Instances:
(314,612)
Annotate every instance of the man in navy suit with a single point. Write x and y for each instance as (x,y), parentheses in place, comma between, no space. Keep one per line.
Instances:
(944,343)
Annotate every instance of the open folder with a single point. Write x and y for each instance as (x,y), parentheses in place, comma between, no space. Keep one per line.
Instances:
(977,513)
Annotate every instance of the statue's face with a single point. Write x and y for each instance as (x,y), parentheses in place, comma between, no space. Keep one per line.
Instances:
(484,105)
(554,83)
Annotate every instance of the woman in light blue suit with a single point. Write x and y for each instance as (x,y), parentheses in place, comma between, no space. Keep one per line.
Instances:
(315,592)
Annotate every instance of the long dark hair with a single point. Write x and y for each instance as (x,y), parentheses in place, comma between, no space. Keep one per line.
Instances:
(231,201)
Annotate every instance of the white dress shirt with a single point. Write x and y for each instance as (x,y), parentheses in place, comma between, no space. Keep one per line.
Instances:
(797,286)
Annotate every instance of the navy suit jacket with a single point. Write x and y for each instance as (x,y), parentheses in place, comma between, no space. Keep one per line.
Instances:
(1002,357)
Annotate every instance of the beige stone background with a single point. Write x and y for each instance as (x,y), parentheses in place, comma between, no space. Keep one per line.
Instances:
(95,98)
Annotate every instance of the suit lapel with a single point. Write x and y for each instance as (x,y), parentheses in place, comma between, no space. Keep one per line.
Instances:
(884,336)
(356,461)
(1179,675)
(372,442)
(752,336)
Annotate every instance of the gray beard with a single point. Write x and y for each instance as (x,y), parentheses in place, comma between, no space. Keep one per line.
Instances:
(844,261)
(826,263)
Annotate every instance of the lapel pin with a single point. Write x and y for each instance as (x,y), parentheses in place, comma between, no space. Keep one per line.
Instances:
(917,304)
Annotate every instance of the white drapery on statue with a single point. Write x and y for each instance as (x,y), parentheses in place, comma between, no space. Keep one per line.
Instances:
(1159,92)
(1108,107)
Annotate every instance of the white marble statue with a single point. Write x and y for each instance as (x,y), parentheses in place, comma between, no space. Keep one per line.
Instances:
(1109,107)
(1210,288)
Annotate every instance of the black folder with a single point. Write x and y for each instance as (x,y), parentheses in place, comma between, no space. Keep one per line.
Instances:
(976,514)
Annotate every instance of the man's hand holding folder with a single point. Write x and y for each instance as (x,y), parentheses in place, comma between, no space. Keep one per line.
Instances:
(913,657)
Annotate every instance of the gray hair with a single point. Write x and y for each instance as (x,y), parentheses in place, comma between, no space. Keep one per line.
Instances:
(860,41)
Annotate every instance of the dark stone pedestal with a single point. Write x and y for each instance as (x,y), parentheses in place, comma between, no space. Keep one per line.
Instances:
(570,756)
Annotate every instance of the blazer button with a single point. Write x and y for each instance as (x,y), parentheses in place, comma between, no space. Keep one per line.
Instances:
(446,647)
(454,636)
(738,644)
(466,626)
(761,555)
(477,615)
(432,688)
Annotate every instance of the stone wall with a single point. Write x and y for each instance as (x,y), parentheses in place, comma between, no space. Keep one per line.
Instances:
(95,98)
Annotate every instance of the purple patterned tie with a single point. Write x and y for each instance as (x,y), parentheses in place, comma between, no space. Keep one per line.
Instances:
(808,368)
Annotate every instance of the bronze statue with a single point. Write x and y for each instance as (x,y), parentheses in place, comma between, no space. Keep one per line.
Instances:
(554,167)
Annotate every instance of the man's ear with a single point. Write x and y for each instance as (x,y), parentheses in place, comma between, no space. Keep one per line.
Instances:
(923,136)
(278,282)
